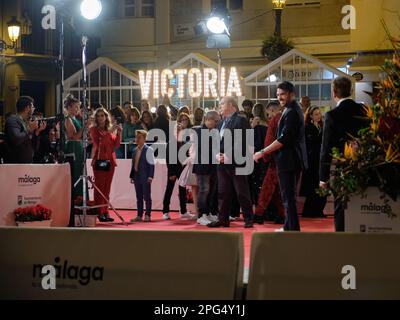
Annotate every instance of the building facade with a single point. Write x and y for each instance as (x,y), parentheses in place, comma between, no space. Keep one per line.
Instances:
(156,34)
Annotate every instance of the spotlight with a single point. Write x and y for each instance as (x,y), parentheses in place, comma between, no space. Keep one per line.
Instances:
(91,9)
(219,21)
(216,25)
(272,78)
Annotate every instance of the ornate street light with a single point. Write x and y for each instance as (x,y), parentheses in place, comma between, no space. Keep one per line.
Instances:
(279,5)
(14,29)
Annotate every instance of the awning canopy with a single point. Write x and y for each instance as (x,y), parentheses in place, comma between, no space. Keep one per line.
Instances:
(310,76)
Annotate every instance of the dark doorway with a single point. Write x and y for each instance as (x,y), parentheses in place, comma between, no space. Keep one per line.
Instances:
(36,90)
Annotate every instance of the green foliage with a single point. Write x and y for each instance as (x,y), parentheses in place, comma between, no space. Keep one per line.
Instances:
(275,46)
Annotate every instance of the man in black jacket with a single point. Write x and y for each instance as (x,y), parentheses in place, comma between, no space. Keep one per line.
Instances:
(341,123)
(205,168)
(19,130)
(290,153)
(229,179)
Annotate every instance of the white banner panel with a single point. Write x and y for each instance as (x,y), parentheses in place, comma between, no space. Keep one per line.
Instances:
(28,185)
(123,194)
(120,264)
(370,214)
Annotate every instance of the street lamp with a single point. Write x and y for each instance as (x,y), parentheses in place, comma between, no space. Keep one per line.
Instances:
(279,5)
(14,28)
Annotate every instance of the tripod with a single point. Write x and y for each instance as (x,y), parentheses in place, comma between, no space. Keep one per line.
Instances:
(84,177)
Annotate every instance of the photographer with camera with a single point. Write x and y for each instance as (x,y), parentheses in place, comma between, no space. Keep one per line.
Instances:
(47,142)
(19,130)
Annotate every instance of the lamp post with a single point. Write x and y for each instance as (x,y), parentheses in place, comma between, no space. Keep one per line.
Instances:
(279,5)
(218,25)
(14,29)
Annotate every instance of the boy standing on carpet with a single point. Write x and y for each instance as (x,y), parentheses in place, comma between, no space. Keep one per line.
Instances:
(142,174)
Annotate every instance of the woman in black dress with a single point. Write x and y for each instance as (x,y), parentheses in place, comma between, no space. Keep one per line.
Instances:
(314,204)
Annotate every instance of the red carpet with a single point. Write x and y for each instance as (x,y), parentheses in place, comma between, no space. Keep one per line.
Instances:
(176,224)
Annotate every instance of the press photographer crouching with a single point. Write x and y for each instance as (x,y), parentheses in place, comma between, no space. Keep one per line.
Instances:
(47,143)
(19,132)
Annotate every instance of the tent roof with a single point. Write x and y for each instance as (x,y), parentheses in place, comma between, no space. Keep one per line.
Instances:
(294,53)
(98,63)
(194,56)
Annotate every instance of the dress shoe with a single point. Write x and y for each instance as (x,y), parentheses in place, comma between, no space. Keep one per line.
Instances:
(147,218)
(219,224)
(248,224)
(102,218)
(108,218)
(258,219)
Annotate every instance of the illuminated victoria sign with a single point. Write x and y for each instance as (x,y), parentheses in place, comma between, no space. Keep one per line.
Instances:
(196,82)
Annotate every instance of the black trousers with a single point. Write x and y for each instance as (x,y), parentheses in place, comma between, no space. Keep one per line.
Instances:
(228,184)
(339,207)
(168,194)
(288,185)
(207,198)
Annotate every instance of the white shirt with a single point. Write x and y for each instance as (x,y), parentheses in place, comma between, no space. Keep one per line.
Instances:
(341,100)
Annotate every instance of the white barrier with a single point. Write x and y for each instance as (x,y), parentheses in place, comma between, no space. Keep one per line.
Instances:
(123,194)
(28,185)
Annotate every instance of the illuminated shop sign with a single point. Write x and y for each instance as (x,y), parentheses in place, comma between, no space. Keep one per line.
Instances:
(192,82)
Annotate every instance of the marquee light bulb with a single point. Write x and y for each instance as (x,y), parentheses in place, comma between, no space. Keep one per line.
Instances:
(210,83)
(195,72)
(166,76)
(234,83)
(181,82)
(145,82)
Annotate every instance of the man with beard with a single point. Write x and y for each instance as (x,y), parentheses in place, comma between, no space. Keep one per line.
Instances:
(19,130)
(290,153)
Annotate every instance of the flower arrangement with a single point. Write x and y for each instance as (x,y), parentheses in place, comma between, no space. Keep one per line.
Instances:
(79,202)
(36,213)
(373,158)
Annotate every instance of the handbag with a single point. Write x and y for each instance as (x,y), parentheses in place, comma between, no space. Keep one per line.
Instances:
(102,165)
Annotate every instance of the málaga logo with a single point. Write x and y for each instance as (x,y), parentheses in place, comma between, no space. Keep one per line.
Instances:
(83,274)
(374,208)
(28,180)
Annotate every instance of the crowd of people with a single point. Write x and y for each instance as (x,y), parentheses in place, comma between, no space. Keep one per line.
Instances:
(292,154)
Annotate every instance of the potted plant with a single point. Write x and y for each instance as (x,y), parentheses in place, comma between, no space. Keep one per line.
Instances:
(370,163)
(36,216)
(275,46)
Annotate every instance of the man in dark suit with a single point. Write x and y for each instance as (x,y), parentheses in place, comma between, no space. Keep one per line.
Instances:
(19,130)
(290,153)
(229,181)
(142,174)
(341,123)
